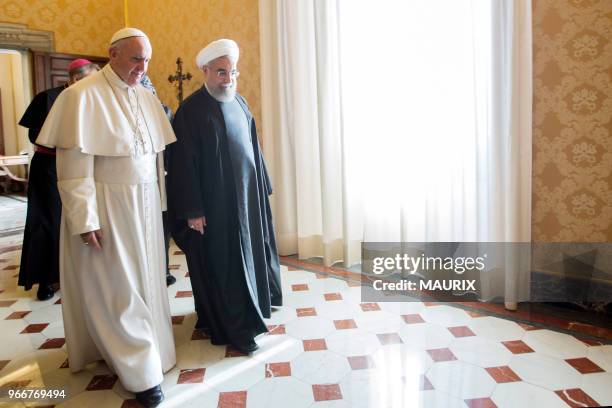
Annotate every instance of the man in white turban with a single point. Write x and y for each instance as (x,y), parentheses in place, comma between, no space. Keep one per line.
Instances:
(218,190)
(110,133)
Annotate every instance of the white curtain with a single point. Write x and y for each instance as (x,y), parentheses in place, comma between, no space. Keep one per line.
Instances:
(397,121)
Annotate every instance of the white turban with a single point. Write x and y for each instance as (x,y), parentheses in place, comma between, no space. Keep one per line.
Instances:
(127,33)
(216,49)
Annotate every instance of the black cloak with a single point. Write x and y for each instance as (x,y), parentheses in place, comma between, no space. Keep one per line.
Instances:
(234,267)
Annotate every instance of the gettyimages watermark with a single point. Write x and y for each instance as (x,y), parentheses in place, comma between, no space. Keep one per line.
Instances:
(486,271)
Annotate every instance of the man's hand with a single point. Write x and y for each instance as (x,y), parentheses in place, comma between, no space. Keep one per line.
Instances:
(93,239)
(197,224)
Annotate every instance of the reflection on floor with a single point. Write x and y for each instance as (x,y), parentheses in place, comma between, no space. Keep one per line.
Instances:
(325,349)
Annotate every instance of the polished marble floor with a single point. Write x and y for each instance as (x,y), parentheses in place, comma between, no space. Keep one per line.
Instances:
(325,348)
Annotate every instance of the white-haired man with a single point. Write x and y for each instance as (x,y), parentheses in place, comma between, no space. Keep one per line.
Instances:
(109,133)
(218,189)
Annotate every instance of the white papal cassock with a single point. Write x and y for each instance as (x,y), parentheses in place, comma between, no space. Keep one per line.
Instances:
(109,139)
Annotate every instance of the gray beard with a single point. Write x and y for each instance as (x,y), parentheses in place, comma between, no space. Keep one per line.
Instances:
(226,96)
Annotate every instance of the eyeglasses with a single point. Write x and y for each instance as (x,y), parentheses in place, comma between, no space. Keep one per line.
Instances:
(223,74)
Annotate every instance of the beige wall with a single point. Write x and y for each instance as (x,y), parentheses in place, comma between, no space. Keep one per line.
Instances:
(79,26)
(181,29)
(572,148)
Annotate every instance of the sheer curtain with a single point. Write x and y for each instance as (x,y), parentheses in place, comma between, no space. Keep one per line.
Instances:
(397,121)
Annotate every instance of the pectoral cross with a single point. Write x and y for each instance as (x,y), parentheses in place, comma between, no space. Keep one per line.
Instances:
(179,77)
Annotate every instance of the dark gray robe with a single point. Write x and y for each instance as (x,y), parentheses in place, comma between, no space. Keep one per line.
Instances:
(220,174)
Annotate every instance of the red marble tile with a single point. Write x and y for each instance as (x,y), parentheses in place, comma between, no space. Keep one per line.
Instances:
(199,335)
(413,318)
(299,287)
(131,403)
(178,253)
(58,302)
(430,303)
(173,267)
(517,347)
(345,324)
(480,403)
(306,311)
(314,344)
(7,303)
(276,329)
(461,331)
(321,276)
(575,397)
(369,307)
(191,376)
(589,342)
(291,268)
(230,351)
(361,362)
(177,320)
(389,338)
(18,315)
(3,363)
(64,364)
(332,296)
(584,365)
(11,267)
(503,374)
(35,328)
(326,392)
(278,370)
(441,354)
(102,382)
(53,343)
(234,399)
(474,314)
(184,294)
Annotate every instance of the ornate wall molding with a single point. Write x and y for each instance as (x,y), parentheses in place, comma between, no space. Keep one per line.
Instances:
(21,37)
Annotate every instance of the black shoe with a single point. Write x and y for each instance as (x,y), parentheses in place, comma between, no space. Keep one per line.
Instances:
(170,280)
(151,397)
(45,292)
(246,348)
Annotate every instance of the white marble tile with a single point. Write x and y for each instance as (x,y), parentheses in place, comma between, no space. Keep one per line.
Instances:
(198,354)
(277,348)
(280,392)
(312,327)
(320,367)
(545,371)
(379,322)
(438,399)
(367,388)
(300,299)
(480,351)
(337,309)
(599,387)
(553,344)
(426,336)
(234,374)
(352,342)
(461,380)
(445,316)
(401,361)
(520,394)
(99,399)
(602,356)
(281,315)
(496,329)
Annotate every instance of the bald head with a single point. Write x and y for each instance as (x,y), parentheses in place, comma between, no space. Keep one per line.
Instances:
(129,58)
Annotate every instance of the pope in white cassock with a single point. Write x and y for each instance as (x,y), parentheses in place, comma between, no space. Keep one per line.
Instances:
(110,132)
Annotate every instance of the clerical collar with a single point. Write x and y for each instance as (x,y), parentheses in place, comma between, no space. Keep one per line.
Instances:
(113,78)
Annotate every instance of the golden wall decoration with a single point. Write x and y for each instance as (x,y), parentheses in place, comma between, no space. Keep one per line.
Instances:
(181,29)
(572,143)
(79,26)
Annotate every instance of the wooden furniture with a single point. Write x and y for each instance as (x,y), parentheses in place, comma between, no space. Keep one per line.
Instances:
(6,161)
